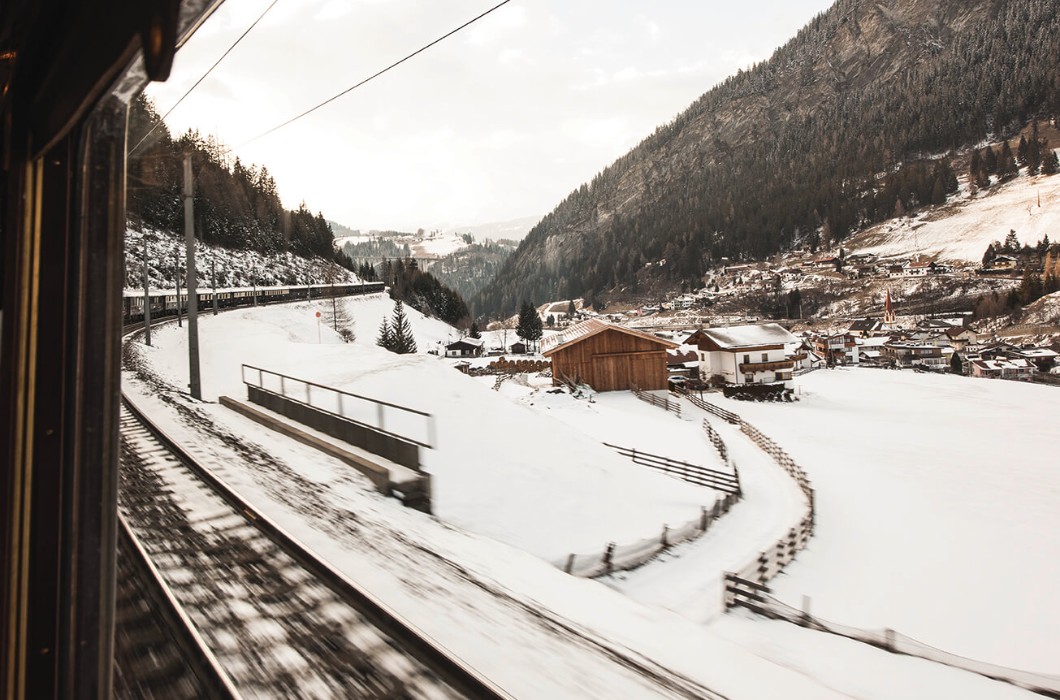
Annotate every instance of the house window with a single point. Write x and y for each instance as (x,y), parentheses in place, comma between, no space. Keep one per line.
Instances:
(765,357)
(747,359)
(749,378)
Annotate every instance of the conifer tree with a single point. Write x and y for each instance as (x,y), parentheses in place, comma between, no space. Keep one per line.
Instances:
(1006,163)
(474,332)
(386,336)
(403,342)
(1050,162)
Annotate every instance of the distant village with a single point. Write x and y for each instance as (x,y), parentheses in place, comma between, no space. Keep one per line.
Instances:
(669,345)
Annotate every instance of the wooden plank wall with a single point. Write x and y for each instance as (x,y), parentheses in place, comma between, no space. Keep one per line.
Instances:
(612,361)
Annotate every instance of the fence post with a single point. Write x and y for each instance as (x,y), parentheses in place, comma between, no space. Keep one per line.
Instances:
(283,385)
(570,564)
(609,555)
(261,380)
(379,413)
(703,522)
(664,541)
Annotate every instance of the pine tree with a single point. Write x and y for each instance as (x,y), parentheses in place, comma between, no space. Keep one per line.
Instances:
(403,342)
(571,310)
(524,326)
(474,332)
(1006,164)
(1050,162)
(386,336)
(956,366)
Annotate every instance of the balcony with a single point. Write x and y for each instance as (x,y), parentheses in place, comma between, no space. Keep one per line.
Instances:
(747,367)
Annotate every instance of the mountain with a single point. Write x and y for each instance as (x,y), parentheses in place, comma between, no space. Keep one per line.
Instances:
(510,229)
(848,124)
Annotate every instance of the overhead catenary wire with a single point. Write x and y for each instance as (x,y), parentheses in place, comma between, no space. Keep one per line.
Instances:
(204,76)
(373,76)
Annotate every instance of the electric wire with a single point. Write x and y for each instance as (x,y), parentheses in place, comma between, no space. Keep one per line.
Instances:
(204,76)
(374,76)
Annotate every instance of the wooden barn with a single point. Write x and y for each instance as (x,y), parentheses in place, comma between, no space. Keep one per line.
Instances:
(607,357)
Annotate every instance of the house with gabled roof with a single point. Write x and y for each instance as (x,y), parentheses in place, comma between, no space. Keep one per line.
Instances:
(607,356)
(752,354)
(465,347)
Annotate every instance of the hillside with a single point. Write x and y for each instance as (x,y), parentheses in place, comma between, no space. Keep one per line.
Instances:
(837,131)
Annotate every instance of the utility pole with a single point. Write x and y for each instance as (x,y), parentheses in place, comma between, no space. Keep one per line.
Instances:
(213,281)
(193,297)
(176,283)
(147,295)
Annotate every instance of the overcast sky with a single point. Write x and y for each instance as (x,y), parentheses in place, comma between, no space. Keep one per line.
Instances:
(499,121)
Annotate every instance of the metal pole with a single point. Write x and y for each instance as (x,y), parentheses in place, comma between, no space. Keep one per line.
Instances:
(147,296)
(193,299)
(213,282)
(176,275)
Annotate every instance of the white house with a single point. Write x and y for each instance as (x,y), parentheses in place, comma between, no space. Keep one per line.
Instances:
(745,354)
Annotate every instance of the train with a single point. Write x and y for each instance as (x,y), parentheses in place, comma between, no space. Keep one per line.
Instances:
(164,302)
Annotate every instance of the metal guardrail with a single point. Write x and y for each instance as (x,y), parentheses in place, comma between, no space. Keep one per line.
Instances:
(401,422)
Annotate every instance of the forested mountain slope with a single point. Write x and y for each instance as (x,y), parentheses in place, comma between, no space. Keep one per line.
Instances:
(837,130)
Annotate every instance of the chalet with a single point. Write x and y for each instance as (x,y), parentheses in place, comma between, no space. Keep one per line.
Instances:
(1004,262)
(682,362)
(745,354)
(865,327)
(839,349)
(465,347)
(1043,358)
(918,268)
(803,355)
(908,354)
(870,350)
(960,338)
(607,357)
(518,348)
(1020,370)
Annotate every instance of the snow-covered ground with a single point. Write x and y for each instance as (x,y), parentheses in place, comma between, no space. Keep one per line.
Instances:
(520,477)
(962,230)
(938,508)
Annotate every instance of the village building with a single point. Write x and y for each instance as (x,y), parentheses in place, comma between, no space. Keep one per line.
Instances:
(1017,370)
(518,348)
(465,347)
(960,338)
(838,349)
(908,354)
(865,327)
(607,357)
(751,354)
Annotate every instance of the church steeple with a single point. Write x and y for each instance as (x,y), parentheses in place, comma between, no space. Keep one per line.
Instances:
(888,310)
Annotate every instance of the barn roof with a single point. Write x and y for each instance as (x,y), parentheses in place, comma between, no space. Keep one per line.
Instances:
(749,336)
(586,329)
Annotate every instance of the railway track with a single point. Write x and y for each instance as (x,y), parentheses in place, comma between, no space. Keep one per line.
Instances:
(277,620)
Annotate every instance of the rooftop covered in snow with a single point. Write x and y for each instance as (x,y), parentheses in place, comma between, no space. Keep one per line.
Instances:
(735,337)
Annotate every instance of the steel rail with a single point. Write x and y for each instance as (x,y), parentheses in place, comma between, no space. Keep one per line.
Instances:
(452,670)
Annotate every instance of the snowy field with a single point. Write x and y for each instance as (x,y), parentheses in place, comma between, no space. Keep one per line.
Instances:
(938,508)
(521,478)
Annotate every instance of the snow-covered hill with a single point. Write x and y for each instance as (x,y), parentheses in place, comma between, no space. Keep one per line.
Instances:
(234,268)
(961,230)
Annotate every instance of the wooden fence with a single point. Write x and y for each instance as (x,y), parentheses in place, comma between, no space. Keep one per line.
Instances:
(727,416)
(656,400)
(624,557)
(692,473)
(758,598)
(719,444)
